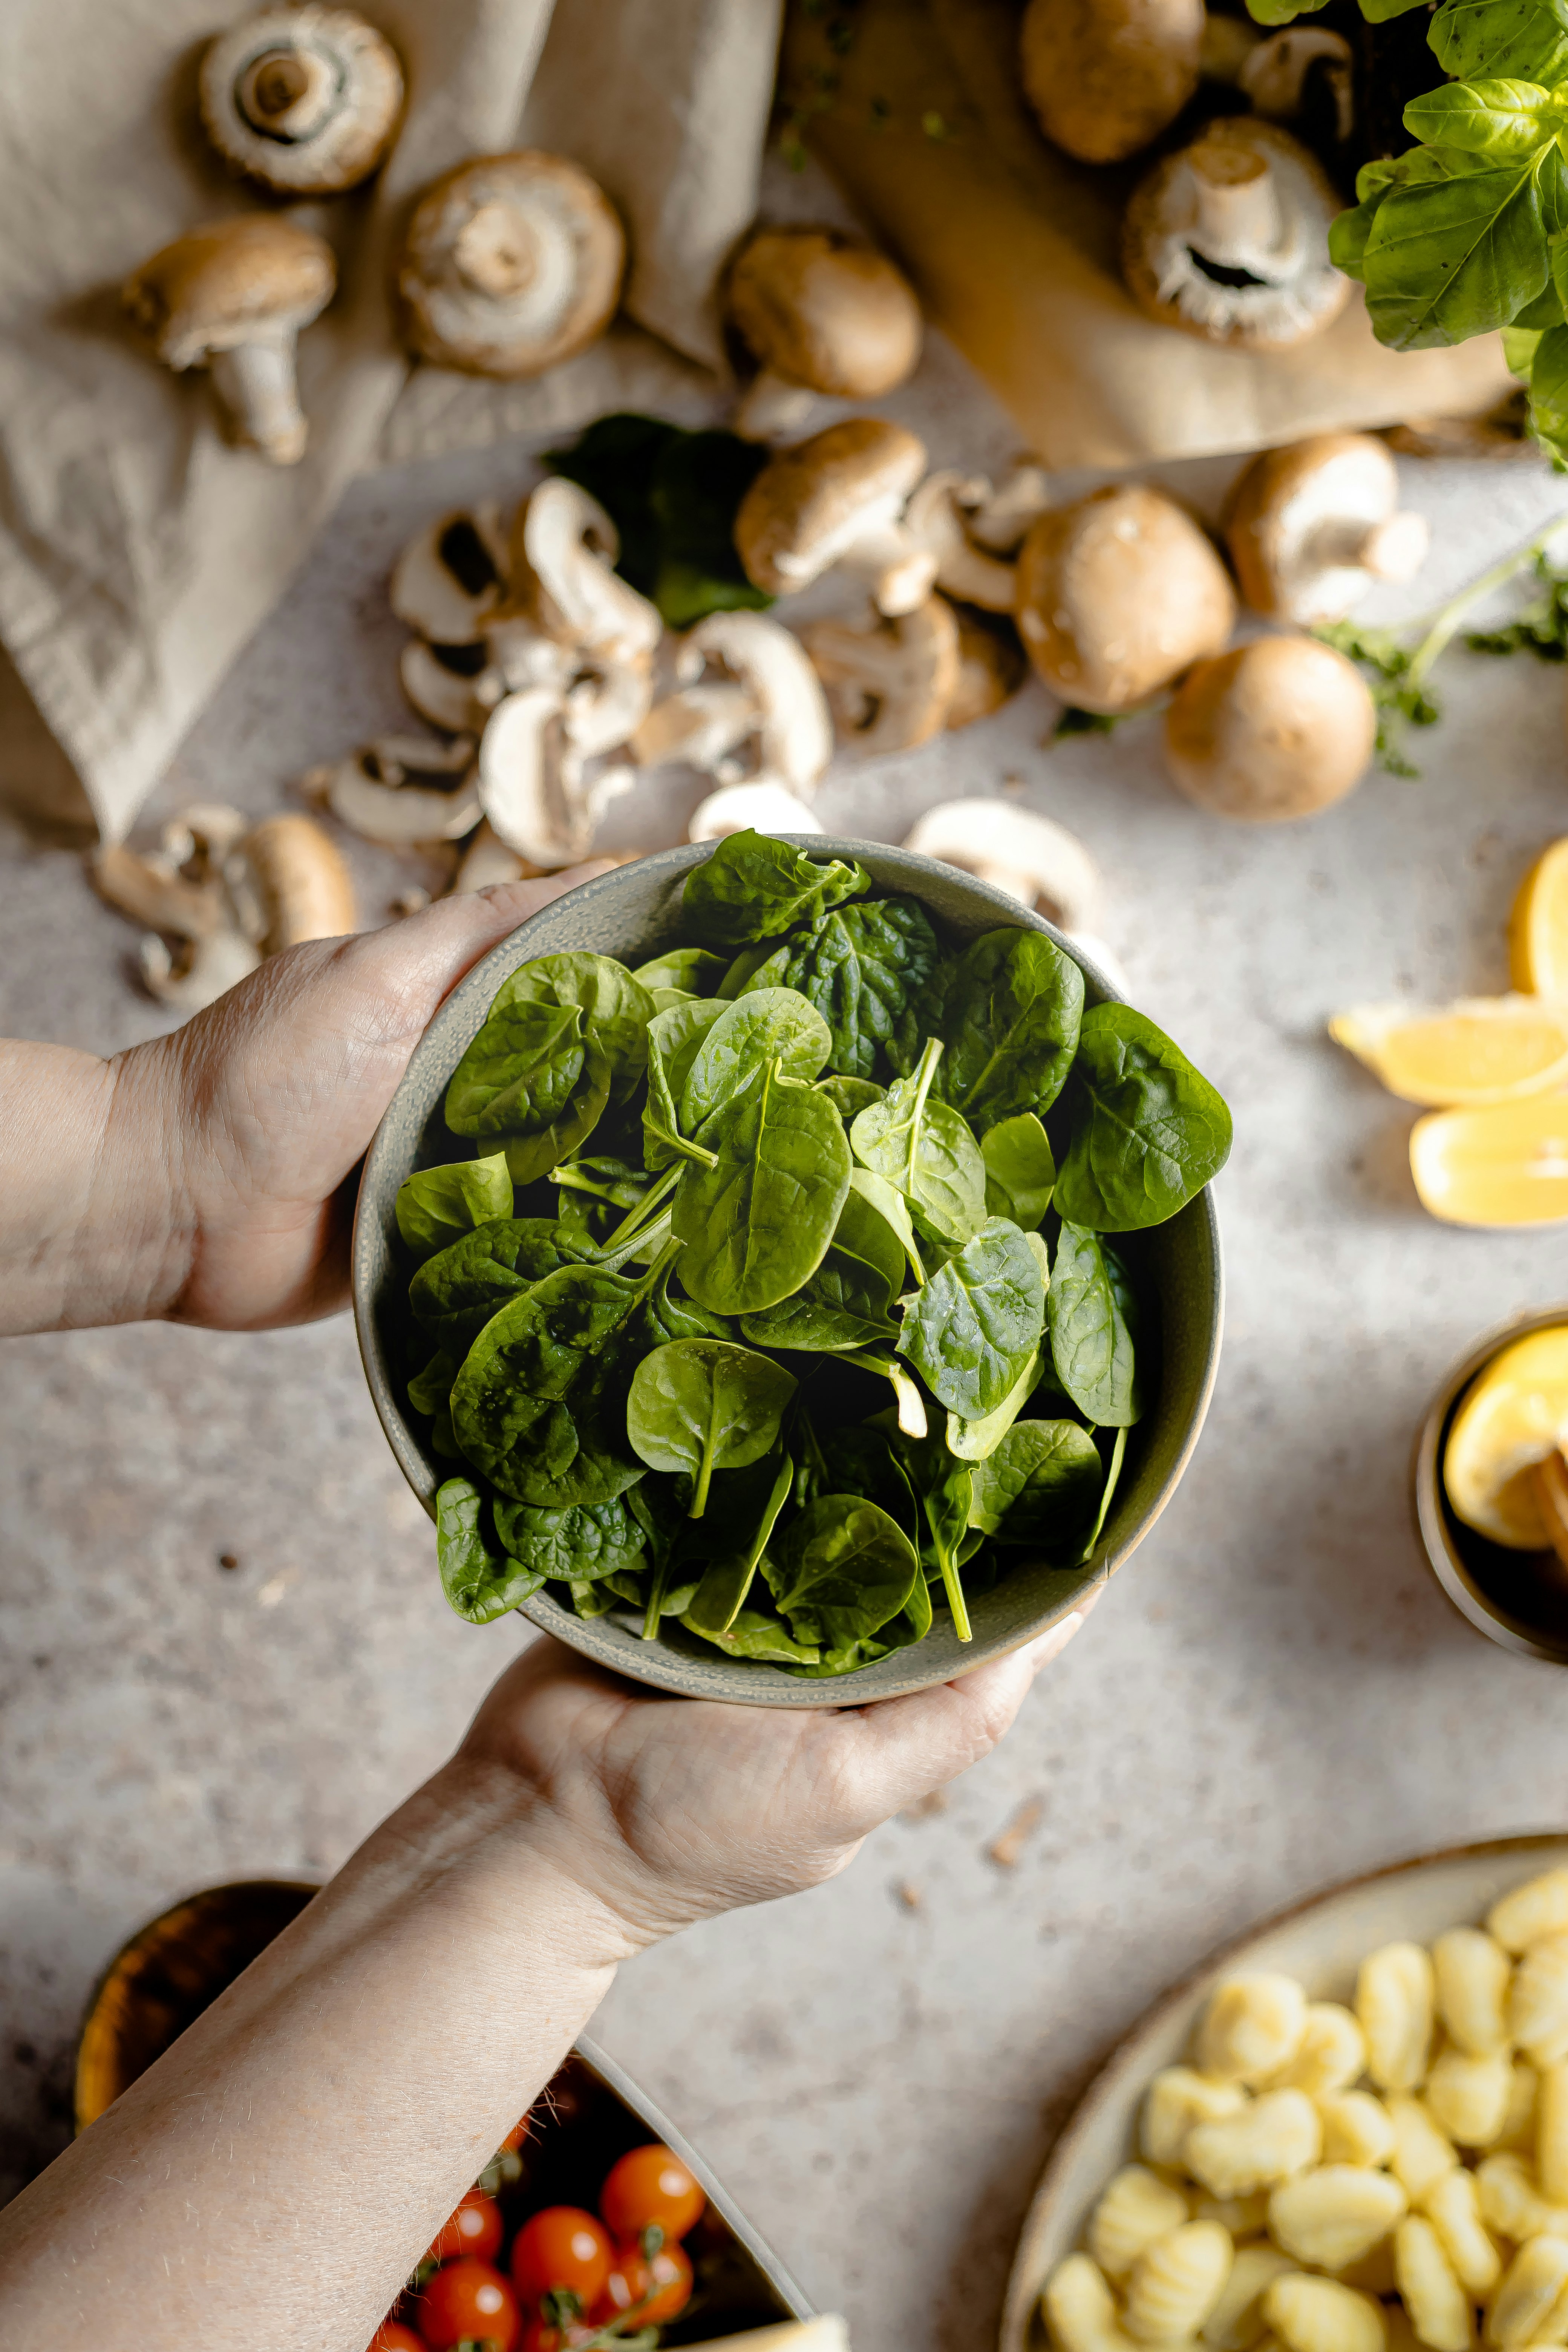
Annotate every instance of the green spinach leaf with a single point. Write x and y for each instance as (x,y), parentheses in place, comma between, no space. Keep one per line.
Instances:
(757,1223)
(849,1302)
(1112,1478)
(943,1487)
(437,1206)
(674,1039)
(672,496)
(615,1007)
(576,1544)
(696,971)
(922,1147)
(539,1405)
(861,967)
(454,1294)
(1011,1013)
(1039,1487)
(755,888)
(766,1025)
(1020,1171)
(971,1440)
(1090,1307)
(849,1095)
(727,1580)
(477,1578)
(1148,1132)
(752,1634)
(840,1570)
(972,1330)
(702,1405)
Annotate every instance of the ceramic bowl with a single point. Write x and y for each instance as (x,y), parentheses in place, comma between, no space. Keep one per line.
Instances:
(632,914)
(1517,1598)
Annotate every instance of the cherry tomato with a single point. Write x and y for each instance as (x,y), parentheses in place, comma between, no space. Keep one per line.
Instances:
(658,2286)
(562,2248)
(514,2139)
(468,2300)
(474,2229)
(393,2336)
(540,2335)
(650,2189)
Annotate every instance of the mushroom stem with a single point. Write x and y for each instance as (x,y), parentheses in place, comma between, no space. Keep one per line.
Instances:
(1393,548)
(286,92)
(898,572)
(256,384)
(1235,202)
(771,405)
(495,251)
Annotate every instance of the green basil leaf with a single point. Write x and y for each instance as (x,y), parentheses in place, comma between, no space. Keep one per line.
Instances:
(702,1405)
(1010,1018)
(615,1008)
(1020,1171)
(727,1581)
(755,888)
(1457,254)
(924,1149)
(1527,39)
(1149,1130)
(1518,348)
(1092,1336)
(971,1440)
(1545,311)
(478,1580)
(1507,121)
(766,1025)
(1548,390)
(696,971)
(437,1206)
(576,1544)
(1282,12)
(840,1570)
(862,966)
(1348,234)
(539,1405)
(757,1223)
(454,1295)
(1040,1485)
(674,1039)
(972,1329)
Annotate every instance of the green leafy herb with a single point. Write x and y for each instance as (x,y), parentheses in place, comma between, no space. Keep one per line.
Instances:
(702,1405)
(766,1025)
(1091,1310)
(577,1544)
(753,887)
(922,1146)
(477,1576)
(1040,1486)
(1020,1171)
(841,1570)
(1011,1012)
(972,1331)
(454,1294)
(757,1224)
(696,971)
(862,966)
(849,1302)
(1149,1130)
(437,1206)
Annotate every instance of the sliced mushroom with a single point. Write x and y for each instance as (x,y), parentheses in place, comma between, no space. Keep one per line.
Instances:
(369,792)
(447,693)
(511,264)
(519,653)
(304,100)
(208,969)
(1282,727)
(451,577)
(563,549)
(990,669)
(838,499)
(938,515)
(1311,527)
(888,686)
(530,781)
(792,722)
(1118,594)
(232,297)
(1229,238)
(1031,857)
(605,707)
(288,882)
(821,313)
(154,891)
(759,805)
(1000,524)
(1106,76)
(488,861)
(700,726)
(1274,74)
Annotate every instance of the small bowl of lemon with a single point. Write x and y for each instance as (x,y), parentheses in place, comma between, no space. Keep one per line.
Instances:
(1489,1072)
(1490,1486)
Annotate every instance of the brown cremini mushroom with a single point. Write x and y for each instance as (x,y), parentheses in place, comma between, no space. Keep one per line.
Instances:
(990,669)
(232,297)
(1277,728)
(1229,238)
(1106,76)
(511,264)
(1277,73)
(820,313)
(888,686)
(305,100)
(1312,526)
(838,499)
(1118,594)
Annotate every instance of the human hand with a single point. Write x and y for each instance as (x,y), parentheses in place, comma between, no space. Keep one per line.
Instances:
(231,1143)
(666,1811)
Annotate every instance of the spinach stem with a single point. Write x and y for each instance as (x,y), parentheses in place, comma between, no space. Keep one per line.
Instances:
(652,1199)
(1442,626)
(1118,1454)
(953,1584)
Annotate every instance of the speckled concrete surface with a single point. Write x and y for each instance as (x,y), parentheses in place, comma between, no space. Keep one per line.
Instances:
(1273,1695)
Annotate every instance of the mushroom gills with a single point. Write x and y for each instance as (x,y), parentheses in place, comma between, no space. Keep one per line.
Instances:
(564,550)
(792,720)
(305,98)
(451,577)
(888,686)
(533,786)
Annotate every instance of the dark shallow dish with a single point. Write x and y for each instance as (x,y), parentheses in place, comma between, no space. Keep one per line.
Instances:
(1517,1598)
(632,914)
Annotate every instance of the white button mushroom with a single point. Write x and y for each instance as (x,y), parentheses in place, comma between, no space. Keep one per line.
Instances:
(938,514)
(1118,594)
(304,100)
(838,499)
(761,806)
(700,726)
(511,264)
(1229,238)
(888,686)
(1031,857)
(533,785)
(821,313)
(1312,526)
(1106,76)
(447,687)
(792,722)
(1277,728)
(233,296)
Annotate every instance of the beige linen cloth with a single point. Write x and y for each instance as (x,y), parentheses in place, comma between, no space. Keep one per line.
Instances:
(138,551)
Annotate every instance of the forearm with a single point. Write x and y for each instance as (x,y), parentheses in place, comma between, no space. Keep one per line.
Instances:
(90,1227)
(299,2147)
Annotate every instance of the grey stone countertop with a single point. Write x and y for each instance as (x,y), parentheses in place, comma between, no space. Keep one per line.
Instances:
(1274,1694)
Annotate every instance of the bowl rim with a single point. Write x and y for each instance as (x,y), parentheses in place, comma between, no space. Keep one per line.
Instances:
(1444,1556)
(748,1682)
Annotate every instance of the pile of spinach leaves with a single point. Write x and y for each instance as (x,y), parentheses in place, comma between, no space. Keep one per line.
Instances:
(787,1296)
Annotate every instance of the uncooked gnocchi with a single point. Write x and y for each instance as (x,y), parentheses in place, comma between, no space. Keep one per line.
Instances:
(1317,2178)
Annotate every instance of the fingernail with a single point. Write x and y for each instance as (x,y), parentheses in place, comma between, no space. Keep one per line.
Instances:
(1053,1643)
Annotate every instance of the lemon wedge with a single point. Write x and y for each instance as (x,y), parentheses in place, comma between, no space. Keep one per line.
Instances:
(1504,1165)
(1515,1414)
(1484,1049)
(1538,927)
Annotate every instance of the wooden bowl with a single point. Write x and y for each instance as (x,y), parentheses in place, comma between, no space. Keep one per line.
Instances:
(1517,1598)
(1322,1941)
(632,914)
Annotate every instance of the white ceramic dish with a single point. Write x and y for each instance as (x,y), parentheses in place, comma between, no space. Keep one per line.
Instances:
(1321,1941)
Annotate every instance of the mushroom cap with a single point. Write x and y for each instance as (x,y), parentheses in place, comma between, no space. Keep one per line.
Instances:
(254,278)
(991,669)
(826,310)
(1106,76)
(1301,522)
(761,804)
(1228,239)
(304,100)
(1118,594)
(1037,860)
(511,264)
(303,882)
(807,503)
(1277,728)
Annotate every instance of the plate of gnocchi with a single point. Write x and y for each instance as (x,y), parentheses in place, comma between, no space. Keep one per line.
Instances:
(1348,2132)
